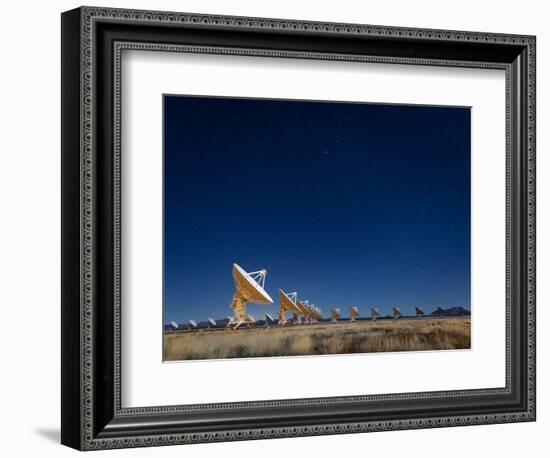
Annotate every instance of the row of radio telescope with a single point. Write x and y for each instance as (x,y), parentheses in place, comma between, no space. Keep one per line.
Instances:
(250,288)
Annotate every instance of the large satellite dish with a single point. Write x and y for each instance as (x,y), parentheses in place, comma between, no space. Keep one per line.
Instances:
(314,313)
(288,303)
(306,312)
(211,323)
(313,310)
(174,325)
(192,324)
(268,320)
(230,321)
(250,285)
(335,314)
(249,288)
(304,307)
(319,313)
(302,312)
(419,311)
(250,321)
(353,312)
(374,313)
(396,312)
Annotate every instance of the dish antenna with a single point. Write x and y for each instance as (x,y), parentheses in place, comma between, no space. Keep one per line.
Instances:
(353,313)
(192,325)
(249,288)
(211,323)
(315,313)
(396,312)
(302,315)
(305,311)
(174,325)
(419,311)
(288,304)
(374,313)
(251,321)
(230,321)
(335,314)
(318,312)
(268,320)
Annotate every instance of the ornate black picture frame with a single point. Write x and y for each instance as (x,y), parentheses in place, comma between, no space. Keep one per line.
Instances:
(92,42)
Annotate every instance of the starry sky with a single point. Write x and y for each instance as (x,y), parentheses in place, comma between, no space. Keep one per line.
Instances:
(347,203)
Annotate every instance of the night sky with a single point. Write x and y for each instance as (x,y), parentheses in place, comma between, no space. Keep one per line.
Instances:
(347,203)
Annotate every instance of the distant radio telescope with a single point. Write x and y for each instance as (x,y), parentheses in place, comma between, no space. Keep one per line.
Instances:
(335,314)
(249,288)
(304,316)
(396,312)
(230,321)
(268,320)
(211,323)
(192,325)
(251,321)
(306,313)
(174,325)
(287,304)
(353,313)
(319,313)
(419,312)
(315,313)
(374,313)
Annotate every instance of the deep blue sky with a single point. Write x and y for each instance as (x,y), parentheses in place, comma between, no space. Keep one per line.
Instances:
(350,204)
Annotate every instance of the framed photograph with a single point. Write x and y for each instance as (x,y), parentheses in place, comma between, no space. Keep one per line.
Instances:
(276,228)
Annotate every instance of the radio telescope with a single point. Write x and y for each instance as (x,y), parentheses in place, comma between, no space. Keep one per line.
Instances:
(374,313)
(303,317)
(318,312)
(335,314)
(174,325)
(230,321)
(419,311)
(307,310)
(314,313)
(268,320)
(353,313)
(211,323)
(396,312)
(303,314)
(288,304)
(192,325)
(249,288)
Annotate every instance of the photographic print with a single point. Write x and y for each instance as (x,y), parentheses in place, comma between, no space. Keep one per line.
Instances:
(296,227)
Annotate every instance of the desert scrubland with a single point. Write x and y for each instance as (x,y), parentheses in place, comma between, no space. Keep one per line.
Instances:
(320,339)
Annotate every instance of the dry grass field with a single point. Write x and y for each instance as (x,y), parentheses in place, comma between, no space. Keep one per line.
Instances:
(321,339)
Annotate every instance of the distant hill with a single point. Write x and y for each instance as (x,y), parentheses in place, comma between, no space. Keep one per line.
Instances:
(452,311)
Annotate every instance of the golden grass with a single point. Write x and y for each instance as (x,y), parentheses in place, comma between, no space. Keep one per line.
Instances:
(321,339)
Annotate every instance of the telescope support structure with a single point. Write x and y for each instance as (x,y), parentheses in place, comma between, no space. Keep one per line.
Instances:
(238,304)
(283,318)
